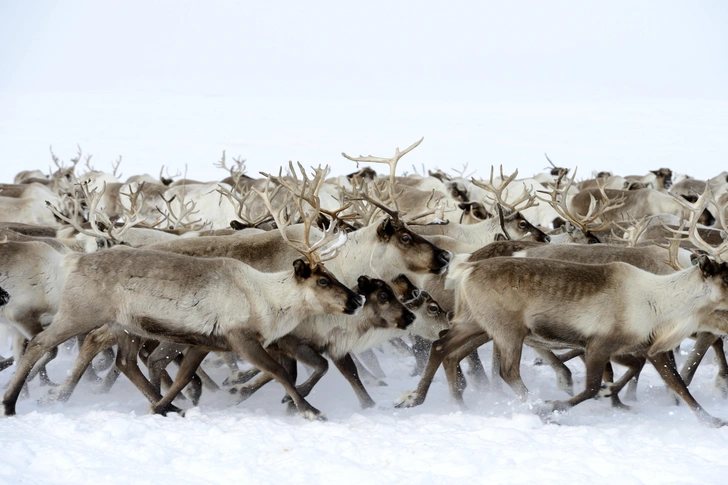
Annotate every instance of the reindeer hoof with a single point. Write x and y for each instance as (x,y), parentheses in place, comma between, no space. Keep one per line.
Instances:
(243,392)
(169,408)
(605,391)
(721,384)
(240,377)
(711,421)
(313,414)
(54,395)
(410,400)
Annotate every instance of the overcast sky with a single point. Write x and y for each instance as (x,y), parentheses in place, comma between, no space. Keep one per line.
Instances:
(537,55)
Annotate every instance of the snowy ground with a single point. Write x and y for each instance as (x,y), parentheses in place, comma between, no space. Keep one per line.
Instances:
(111,439)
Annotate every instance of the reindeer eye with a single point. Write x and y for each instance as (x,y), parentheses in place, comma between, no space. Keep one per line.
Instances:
(323,281)
(406,238)
(433,309)
(383,296)
(725,278)
(522,224)
(592,240)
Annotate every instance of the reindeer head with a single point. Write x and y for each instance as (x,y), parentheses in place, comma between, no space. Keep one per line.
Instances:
(382,302)
(431,318)
(473,212)
(664,177)
(517,227)
(418,254)
(327,294)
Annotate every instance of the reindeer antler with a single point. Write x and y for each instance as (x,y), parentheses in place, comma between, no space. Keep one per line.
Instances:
(695,210)
(242,202)
(392,162)
(525,198)
(593,220)
(305,190)
(97,217)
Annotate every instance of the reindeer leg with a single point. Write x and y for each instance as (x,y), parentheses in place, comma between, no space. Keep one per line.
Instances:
(634,365)
(6,362)
(348,369)
(126,361)
(721,379)
(190,362)
(366,375)
(207,381)
(193,391)
(630,378)
(40,368)
(596,356)
(666,368)
(157,361)
(110,378)
(62,330)
(93,343)
(28,323)
(307,356)
(509,350)
(245,391)
(455,337)
(563,373)
(90,373)
(476,370)
(454,374)
(369,358)
(240,376)
(421,351)
(254,353)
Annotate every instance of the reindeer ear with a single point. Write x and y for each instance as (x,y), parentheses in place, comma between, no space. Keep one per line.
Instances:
(386,229)
(480,212)
(301,269)
(365,284)
(707,266)
(237,225)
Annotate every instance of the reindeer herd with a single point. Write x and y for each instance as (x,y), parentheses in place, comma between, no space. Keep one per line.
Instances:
(301,267)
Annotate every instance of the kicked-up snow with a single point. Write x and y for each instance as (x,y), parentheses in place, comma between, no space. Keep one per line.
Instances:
(110,438)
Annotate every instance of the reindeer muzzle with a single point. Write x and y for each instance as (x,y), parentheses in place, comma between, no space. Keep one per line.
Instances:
(407,319)
(354,303)
(442,260)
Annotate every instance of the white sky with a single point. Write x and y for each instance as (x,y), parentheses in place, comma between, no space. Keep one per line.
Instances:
(627,86)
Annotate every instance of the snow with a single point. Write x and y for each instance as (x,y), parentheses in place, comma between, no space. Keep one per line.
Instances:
(110,438)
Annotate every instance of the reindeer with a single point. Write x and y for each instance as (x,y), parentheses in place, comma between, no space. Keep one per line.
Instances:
(513,298)
(382,317)
(188,300)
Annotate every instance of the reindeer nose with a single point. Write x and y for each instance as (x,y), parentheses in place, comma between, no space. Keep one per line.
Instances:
(406,320)
(546,238)
(444,257)
(410,317)
(354,303)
